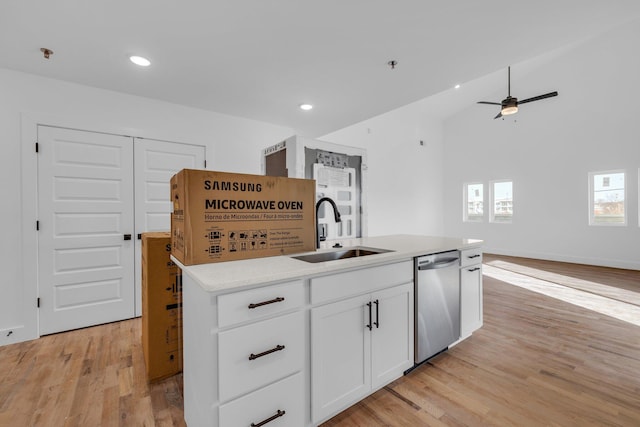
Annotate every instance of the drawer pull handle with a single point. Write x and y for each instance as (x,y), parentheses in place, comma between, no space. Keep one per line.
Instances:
(264,353)
(268,420)
(377,322)
(473,256)
(260,304)
(474,269)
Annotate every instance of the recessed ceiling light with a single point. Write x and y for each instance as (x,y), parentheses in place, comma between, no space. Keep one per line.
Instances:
(139,60)
(456,87)
(306,107)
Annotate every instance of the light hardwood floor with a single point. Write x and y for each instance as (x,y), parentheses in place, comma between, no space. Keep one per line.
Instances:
(538,361)
(88,377)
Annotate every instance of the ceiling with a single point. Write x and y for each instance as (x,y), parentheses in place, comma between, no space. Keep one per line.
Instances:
(261,59)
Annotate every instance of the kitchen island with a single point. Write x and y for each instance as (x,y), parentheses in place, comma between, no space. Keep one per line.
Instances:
(279,341)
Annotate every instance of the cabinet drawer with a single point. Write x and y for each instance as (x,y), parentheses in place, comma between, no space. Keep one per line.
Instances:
(258,303)
(341,285)
(282,402)
(470,256)
(252,356)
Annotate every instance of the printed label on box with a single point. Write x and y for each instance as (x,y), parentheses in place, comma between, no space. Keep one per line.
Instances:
(220,216)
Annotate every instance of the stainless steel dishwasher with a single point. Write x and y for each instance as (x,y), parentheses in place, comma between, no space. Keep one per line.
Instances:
(437,303)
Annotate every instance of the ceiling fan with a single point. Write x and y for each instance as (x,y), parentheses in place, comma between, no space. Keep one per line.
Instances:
(509,105)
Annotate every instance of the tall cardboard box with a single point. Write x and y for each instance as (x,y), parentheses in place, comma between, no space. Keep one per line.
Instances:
(219,216)
(161,307)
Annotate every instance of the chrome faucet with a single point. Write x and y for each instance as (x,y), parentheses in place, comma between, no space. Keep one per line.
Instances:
(336,216)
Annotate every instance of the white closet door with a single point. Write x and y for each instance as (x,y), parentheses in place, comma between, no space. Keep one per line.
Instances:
(85,210)
(155,163)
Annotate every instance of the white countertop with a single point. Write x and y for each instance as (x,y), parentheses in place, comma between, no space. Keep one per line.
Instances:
(235,275)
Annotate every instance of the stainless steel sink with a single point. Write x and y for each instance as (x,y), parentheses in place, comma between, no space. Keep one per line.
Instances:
(341,254)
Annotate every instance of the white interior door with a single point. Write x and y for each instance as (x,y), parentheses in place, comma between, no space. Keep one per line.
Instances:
(85,209)
(155,163)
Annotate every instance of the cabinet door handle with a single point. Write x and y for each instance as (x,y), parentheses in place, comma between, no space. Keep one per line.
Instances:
(264,353)
(260,304)
(369,325)
(127,237)
(473,256)
(268,420)
(377,322)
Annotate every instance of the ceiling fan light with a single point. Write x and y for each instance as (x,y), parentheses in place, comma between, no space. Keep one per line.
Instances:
(140,60)
(509,109)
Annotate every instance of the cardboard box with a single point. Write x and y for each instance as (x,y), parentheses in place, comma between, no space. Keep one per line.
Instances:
(161,307)
(220,216)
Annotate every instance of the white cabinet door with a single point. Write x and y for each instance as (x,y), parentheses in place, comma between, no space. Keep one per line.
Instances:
(359,344)
(85,208)
(155,163)
(470,299)
(392,334)
(340,360)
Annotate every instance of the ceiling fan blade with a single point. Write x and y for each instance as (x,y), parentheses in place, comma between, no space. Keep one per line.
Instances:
(498,116)
(539,97)
(490,103)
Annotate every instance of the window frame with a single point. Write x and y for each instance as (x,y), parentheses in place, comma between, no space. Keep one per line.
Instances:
(465,201)
(492,207)
(592,217)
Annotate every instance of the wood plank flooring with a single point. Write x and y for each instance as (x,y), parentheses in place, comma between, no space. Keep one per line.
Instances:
(88,377)
(617,284)
(537,361)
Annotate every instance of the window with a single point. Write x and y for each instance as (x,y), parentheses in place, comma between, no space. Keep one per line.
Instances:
(473,203)
(607,198)
(502,201)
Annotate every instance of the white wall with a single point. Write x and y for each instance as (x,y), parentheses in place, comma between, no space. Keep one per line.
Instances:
(233,144)
(405,178)
(549,148)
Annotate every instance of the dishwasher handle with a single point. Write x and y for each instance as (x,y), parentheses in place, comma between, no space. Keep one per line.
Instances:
(442,263)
